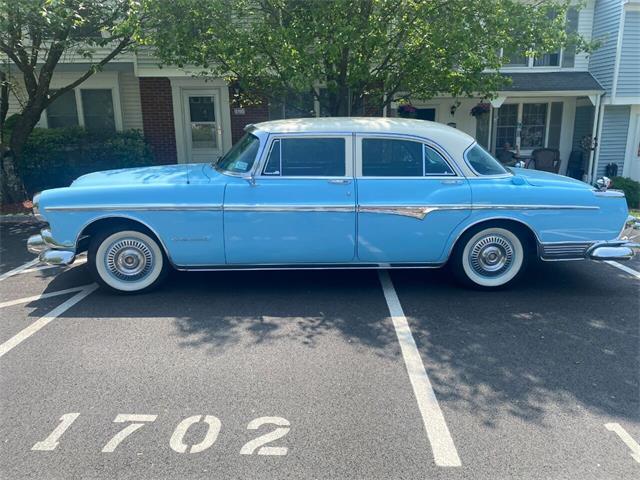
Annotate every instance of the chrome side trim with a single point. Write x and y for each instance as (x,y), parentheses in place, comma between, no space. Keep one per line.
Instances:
(421,211)
(414,212)
(289,208)
(136,208)
(564,251)
(319,266)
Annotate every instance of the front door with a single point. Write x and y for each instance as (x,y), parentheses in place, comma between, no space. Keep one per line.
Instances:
(301,208)
(410,199)
(203,132)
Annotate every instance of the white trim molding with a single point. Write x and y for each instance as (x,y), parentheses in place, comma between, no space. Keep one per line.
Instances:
(181,84)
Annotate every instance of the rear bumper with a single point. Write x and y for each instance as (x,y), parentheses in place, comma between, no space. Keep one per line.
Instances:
(48,250)
(622,249)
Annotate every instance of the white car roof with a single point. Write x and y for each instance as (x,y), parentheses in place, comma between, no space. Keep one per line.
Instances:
(421,128)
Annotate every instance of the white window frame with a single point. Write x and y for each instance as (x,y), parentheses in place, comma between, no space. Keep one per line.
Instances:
(392,136)
(530,60)
(521,104)
(102,81)
(348,155)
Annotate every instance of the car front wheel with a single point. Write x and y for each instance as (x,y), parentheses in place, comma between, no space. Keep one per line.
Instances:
(126,260)
(489,257)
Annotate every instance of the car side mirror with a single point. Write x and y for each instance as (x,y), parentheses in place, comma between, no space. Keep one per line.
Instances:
(252,179)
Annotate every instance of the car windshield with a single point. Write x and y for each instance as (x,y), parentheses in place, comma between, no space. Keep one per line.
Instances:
(241,156)
(482,162)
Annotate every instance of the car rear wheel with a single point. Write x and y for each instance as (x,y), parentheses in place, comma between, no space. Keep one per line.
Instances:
(489,257)
(126,260)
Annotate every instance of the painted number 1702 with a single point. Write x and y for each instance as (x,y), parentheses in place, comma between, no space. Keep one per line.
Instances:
(259,445)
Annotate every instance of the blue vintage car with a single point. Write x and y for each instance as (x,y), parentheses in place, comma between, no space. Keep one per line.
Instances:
(332,193)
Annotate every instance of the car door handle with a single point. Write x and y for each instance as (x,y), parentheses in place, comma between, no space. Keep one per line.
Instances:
(451,182)
(340,182)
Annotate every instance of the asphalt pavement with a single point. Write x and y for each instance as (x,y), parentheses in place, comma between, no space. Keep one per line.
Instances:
(318,374)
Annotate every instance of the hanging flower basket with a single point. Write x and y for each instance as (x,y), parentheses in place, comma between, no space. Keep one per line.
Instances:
(406,110)
(481,109)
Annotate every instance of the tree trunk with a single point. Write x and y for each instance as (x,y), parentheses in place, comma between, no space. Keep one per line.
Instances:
(13,190)
(338,102)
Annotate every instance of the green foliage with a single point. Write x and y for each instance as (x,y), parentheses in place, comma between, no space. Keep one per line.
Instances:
(69,26)
(55,157)
(376,50)
(631,190)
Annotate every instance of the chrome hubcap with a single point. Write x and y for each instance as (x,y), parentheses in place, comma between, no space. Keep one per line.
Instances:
(129,259)
(491,256)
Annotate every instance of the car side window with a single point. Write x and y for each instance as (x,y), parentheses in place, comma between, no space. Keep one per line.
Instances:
(306,157)
(434,164)
(401,158)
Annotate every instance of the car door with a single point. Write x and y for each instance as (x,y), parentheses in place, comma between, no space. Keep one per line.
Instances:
(411,196)
(301,207)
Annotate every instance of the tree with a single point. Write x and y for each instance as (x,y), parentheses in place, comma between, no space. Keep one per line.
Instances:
(35,36)
(378,50)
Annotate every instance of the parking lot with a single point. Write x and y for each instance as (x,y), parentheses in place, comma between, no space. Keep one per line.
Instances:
(318,374)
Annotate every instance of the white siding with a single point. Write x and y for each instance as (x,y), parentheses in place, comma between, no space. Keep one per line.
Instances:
(585,27)
(613,140)
(606,24)
(130,101)
(629,70)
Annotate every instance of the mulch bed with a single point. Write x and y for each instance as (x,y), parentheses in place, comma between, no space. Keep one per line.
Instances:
(16,208)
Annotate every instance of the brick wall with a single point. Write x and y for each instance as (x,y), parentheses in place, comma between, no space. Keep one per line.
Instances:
(252,114)
(157,118)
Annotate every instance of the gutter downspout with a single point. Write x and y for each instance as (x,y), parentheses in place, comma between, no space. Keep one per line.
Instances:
(596,131)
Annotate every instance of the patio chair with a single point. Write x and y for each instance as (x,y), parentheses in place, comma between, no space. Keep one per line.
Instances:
(575,167)
(546,159)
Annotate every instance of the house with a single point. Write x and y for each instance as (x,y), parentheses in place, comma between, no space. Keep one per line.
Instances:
(554,101)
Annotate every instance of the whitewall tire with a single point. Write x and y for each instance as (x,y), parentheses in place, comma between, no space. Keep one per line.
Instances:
(127,260)
(489,257)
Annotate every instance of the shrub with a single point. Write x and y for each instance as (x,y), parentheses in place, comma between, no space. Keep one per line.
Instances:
(631,190)
(55,157)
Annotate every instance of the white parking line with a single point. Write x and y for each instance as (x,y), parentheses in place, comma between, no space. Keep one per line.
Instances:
(626,438)
(41,296)
(19,269)
(78,261)
(44,321)
(624,268)
(444,450)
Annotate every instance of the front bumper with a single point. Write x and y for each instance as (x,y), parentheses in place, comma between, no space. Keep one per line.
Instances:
(622,249)
(49,250)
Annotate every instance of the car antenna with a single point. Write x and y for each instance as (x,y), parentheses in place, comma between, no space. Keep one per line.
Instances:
(188,182)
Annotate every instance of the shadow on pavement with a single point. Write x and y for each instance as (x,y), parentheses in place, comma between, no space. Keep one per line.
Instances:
(567,336)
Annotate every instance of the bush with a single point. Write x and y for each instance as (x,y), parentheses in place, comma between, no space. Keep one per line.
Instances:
(631,190)
(55,157)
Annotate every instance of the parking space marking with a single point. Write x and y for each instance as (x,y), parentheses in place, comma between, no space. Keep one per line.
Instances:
(78,261)
(44,321)
(19,269)
(34,298)
(177,442)
(626,438)
(444,450)
(624,268)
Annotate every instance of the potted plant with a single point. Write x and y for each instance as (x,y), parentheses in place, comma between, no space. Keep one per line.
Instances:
(480,109)
(406,110)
